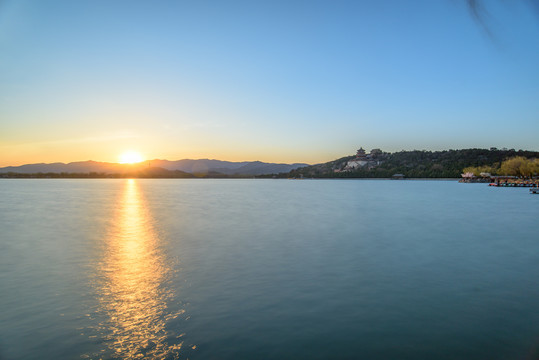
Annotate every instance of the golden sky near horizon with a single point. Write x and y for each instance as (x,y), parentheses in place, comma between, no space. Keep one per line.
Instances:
(110,149)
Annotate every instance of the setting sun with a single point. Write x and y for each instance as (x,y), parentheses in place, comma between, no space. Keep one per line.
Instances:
(130,157)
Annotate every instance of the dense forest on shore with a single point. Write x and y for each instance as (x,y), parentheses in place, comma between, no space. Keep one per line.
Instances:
(415,164)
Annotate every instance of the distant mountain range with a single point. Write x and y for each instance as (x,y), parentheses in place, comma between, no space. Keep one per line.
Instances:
(201,166)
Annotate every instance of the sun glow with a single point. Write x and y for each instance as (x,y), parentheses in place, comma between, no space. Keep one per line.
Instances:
(130,157)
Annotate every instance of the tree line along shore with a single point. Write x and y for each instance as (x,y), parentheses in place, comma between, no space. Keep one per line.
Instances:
(425,164)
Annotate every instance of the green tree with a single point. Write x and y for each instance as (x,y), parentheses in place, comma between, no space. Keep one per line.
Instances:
(534,167)
(516,166)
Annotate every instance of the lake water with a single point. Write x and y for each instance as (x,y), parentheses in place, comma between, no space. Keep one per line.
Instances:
(267,269)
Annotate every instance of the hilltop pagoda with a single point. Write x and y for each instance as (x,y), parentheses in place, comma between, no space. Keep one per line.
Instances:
(360,160)
(360,155)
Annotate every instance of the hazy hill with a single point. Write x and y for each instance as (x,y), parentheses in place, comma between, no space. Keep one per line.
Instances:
(225,167)
(197,166)
(261,168)
(74,167)
(201,166)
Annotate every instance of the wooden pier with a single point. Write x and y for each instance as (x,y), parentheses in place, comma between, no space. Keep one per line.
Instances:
(512,181)
(514,184)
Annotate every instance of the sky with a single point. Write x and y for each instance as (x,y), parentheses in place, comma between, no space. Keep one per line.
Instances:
(275,81)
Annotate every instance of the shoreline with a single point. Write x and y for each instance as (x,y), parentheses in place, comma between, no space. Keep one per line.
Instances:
(246,177)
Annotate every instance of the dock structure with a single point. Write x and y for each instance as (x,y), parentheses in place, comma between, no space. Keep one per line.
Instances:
(504,181)
(513,181)
(514,184)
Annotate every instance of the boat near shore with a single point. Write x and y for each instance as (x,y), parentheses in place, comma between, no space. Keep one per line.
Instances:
(512,181)
(514,184)
(503,181)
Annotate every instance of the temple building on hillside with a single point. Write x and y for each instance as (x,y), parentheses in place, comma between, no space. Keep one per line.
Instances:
(359,161)
(362,159)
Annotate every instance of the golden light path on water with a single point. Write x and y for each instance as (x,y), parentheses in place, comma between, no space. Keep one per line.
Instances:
(133,296)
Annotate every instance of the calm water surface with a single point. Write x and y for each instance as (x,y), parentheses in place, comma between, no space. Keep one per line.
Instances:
(267,269)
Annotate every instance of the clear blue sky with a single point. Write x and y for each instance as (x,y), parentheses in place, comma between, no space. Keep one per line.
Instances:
(278,81)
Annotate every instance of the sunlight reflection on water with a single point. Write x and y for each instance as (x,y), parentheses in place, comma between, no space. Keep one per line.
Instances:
(132,292)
